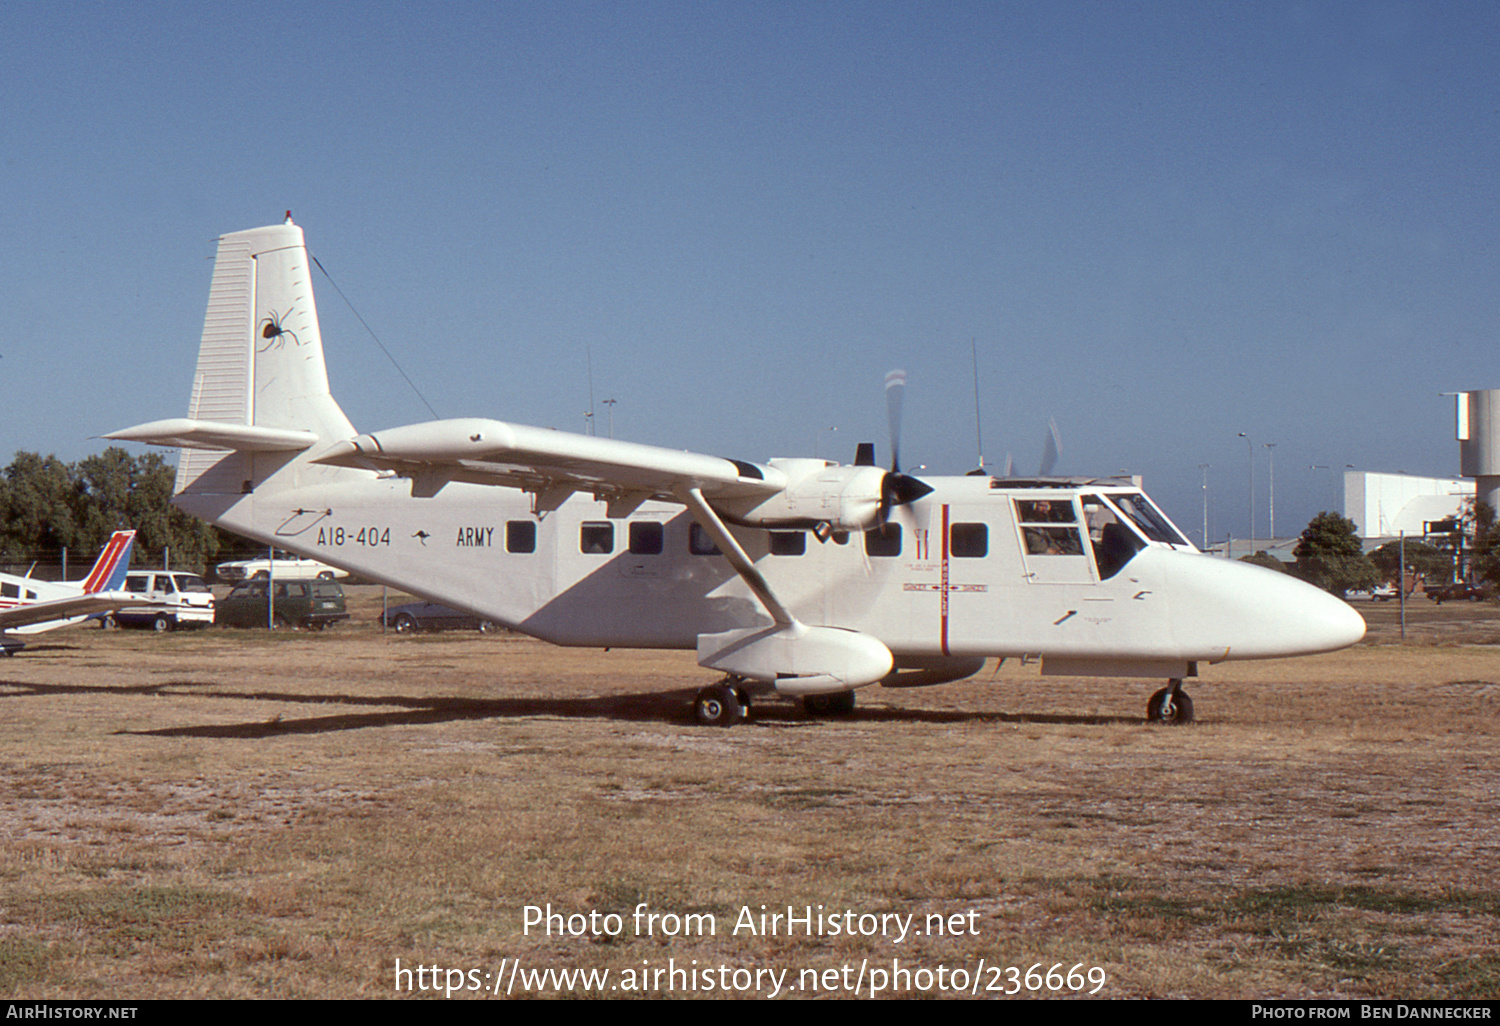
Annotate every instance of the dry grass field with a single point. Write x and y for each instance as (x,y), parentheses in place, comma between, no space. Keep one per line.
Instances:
(241,814)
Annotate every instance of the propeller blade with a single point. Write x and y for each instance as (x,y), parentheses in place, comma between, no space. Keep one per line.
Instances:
(896,488)
(895,385)
(1050,450)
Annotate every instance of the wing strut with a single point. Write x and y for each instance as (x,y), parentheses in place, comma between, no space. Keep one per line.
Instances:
(704,514)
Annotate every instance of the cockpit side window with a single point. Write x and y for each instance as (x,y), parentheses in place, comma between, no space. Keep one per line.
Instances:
(1114,544)
(1042,526)
(1045,511)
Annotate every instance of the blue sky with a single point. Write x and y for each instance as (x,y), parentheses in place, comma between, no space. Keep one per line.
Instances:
(1159,224)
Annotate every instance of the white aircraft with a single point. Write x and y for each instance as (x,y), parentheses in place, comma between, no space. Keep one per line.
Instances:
(798,575)
(29,606)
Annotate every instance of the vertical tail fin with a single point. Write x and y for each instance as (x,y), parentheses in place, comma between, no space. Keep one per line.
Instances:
(261,359)
(261,388)
(109,570)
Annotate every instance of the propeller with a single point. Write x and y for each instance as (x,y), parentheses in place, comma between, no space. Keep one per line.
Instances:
(895,388)
(896,488)
(1051,448)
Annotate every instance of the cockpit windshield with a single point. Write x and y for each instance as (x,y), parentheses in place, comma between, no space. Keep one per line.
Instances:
(1114,543)
(1147,518)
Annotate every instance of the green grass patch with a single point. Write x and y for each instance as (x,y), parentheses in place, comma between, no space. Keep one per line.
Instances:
(25,962)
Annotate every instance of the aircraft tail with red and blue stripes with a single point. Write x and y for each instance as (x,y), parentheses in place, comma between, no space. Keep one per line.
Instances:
(109,570)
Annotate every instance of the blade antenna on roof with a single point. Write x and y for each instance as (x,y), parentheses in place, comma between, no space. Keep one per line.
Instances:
(978,429)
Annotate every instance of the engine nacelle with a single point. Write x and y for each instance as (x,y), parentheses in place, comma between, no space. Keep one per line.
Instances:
(844,498)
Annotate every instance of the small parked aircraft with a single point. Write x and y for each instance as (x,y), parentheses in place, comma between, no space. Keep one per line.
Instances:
(798,575)
(29,606)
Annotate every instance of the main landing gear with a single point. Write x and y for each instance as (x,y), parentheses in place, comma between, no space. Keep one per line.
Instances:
(1170,705)
(723,704)
(728,702)
(838,703)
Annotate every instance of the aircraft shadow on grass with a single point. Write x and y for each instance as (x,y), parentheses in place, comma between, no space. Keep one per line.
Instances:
(646,707)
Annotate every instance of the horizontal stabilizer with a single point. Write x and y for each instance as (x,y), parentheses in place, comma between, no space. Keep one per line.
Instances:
(182,432)
(41,616)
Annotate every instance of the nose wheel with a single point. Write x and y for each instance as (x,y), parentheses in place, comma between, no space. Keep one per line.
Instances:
(1171,705)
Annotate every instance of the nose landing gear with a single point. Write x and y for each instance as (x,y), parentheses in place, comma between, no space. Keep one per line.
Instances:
(1171,705)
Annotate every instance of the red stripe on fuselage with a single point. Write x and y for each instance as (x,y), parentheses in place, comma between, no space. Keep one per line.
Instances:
(943,587)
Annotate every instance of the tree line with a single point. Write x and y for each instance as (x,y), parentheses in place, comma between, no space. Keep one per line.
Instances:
(48,507)
(1331,555)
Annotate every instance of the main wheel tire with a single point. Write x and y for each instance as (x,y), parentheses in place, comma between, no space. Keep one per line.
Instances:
(405,624)
(1178,712)
(718,706)
(839,703)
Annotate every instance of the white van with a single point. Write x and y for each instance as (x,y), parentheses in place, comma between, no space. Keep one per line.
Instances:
(180,599)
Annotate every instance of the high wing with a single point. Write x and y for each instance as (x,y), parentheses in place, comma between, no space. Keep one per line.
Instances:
(550,464)
(52,610)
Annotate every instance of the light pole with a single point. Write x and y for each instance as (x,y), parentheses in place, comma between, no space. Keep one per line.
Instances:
(1271,461)
(611,404)
(1204,467)
(1250,451)
(817,437)
(1321,466)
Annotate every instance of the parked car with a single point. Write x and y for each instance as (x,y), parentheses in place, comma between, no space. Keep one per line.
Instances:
(314,604)
(1458,590)
(282,569)
(179,599)
(430,616)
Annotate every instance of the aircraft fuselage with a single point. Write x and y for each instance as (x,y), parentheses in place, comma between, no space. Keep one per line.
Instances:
(978,568)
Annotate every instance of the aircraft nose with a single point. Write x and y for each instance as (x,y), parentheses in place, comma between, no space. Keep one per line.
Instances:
(1250,612)
(1326,623)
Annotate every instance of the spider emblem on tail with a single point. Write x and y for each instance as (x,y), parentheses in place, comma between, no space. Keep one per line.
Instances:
(271,328)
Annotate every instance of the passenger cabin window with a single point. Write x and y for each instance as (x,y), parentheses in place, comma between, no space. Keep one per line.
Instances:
(646,538)
(700,542)
(969,541)
(520,536)
(596,537)
(883,541)
(10,590)
(788,543)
